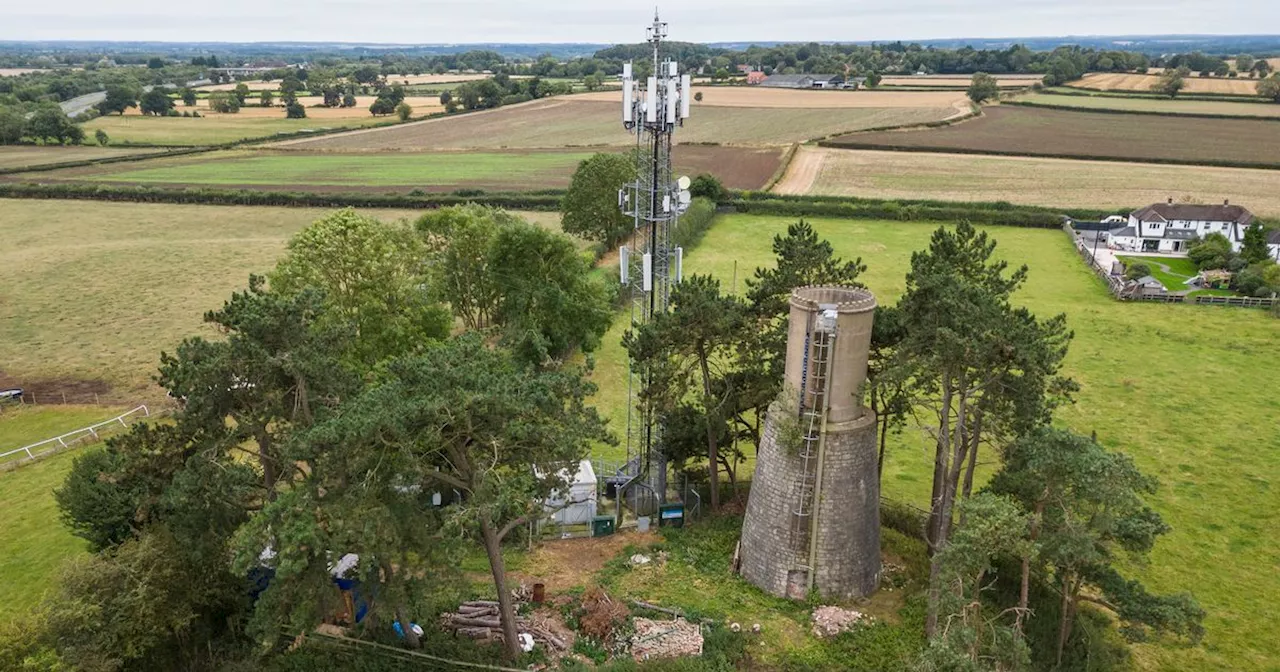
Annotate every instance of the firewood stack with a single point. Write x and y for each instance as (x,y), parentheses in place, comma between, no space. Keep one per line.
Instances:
(480,619)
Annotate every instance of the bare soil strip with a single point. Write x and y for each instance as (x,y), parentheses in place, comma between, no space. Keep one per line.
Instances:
(803,171)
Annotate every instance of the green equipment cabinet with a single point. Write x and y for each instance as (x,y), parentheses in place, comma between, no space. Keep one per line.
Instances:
(671,515)
(602,526)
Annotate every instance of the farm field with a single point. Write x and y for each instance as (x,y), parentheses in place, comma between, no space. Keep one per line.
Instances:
(1023,180)
(215,128)
(502,170)
(422,105)
(260,85)
(1015,81)
(756,97)
(1162,105)
(1214,459)
(1070,134)
(1120,81)
(563,122)
(23,156)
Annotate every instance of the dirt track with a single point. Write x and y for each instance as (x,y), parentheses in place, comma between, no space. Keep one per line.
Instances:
(803,171)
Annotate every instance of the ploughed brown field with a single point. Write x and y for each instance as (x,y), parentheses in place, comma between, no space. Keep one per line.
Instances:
(1067,134)
(569,122)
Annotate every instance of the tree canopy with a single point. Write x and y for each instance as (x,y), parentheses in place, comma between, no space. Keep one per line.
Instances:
(590,206)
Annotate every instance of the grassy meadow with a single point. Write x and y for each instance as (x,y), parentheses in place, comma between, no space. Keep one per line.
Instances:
(1186,390)
(210,129)
(28,156)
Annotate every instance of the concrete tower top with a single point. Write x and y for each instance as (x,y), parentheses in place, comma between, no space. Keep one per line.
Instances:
(854,311)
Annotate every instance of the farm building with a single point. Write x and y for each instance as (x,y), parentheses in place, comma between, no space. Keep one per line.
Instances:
(809,81)
(1170,227)
(755,77)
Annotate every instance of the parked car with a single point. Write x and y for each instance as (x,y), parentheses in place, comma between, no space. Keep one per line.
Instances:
(1115,219)
(14,394)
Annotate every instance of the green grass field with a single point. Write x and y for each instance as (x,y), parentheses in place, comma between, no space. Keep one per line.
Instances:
(211,129)
(1186,390)
(1163,105)
(1180,270)
(496,170)
(34,542)
(24,156)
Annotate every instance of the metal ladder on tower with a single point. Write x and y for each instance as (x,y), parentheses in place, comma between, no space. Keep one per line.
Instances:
(813,408)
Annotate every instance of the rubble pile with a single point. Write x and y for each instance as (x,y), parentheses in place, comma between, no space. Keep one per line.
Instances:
(479,619)
(831,621)
(665,639)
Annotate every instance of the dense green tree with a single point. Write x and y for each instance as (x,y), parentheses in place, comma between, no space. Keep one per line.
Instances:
(980,366)
(265,99)
(241,92)
(590,206)
(404,111)
(1087,515)
(993,528)
(1136,270)
(1269,88)
(1211,252)
(382,106)
(295,110)
(365,74)
(50,124)
(101,137)
(119,99)
(188,97)
(460,241)
(1244,62)
(463,416)
(1171,82)
(983,87)
(224,102)
(155,63)
(682,354)
(1254,249)
(708,186)
(372,276)
(888,393)
(592,82)
(12,126)
(549,304)
(156,102)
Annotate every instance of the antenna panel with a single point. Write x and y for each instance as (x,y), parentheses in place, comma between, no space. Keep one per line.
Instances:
(624,262)
(648,272)
(673,97)
(686,95)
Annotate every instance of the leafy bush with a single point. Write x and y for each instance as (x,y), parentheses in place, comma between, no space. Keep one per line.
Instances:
(708,186)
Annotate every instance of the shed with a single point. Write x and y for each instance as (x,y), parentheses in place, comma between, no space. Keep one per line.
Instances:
(579,506)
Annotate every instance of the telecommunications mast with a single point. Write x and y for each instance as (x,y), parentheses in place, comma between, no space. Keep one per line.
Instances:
(652,110)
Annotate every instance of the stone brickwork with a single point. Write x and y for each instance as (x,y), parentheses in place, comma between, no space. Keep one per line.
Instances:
(848,557)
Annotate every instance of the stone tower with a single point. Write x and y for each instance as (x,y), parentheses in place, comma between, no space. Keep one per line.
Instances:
(813,517)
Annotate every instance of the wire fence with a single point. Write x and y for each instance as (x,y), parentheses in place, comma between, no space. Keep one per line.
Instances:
(62,442)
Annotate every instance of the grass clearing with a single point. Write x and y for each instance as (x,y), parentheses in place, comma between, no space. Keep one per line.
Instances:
(1064,183)
(1213,453)
(33,541)
(213,129)
(567,122)
(1069,134)
(1172,273)
(1161,105)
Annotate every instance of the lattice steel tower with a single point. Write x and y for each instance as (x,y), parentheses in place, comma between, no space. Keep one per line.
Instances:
(650,264)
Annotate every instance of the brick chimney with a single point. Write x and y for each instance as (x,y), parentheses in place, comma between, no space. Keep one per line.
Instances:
(1170,200)
(1226,201)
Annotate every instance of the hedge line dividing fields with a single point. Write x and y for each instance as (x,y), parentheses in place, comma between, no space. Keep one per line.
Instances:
(1024,131)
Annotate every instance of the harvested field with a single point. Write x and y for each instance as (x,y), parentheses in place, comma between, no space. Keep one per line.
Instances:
(742,96)
(567,122)
(215,128)
(1119,81)
(259,85)
(1023,180)
(1068,134)
(23,156)
(961,81)
(14,72)
(1161,105)
(511,170)
(421,105)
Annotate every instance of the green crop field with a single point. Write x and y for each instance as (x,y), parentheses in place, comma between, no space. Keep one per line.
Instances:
(1212,445)
(1022,180)
(211,129)
(1063,133)
(497,171)
(1150,104)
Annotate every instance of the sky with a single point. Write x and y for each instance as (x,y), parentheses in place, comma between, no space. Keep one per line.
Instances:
(605,21)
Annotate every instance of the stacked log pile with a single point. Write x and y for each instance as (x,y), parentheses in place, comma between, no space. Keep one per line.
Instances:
(480,619)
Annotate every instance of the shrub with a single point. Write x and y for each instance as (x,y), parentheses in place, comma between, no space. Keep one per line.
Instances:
(295,110)
(102,137)
(1136,270)
(708,186)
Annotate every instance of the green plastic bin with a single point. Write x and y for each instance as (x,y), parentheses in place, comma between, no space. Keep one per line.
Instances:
(671,515)
(602,526)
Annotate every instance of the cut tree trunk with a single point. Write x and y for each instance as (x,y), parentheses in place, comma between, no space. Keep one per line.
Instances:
(506,611)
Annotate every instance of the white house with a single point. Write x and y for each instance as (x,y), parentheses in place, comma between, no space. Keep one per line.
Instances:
(1273,244)
(1169,227)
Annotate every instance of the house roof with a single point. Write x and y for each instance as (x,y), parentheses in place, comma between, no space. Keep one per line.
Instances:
(1148,281)
(1192,212)
(1125,232)
(1273,237)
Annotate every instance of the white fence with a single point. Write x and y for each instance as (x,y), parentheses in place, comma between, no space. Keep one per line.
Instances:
(71,438)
